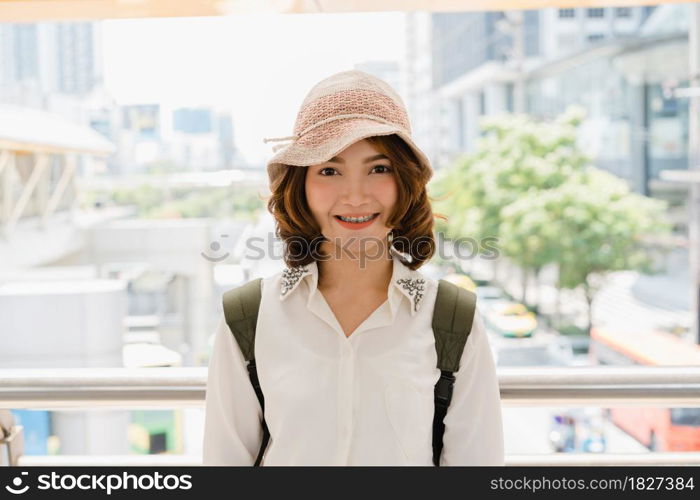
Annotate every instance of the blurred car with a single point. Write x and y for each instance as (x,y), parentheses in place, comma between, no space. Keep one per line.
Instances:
(578,430)
(593,442)
(562,433)
(510,319)
(487,295)
(461,280)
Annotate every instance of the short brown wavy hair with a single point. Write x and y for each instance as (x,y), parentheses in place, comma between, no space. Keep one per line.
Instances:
(411,221)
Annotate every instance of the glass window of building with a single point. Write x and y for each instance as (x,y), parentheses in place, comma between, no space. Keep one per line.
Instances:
(595,37)
(623,12)
(567,13)
(598,12)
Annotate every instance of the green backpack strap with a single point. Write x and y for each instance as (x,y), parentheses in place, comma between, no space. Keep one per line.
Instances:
(241,307)
(452,322)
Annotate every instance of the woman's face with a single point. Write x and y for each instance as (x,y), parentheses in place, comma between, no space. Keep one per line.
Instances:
(357,182)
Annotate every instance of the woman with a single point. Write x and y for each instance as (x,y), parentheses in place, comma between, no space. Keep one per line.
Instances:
(345,352)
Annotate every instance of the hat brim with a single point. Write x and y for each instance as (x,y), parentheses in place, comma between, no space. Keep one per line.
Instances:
(325,142)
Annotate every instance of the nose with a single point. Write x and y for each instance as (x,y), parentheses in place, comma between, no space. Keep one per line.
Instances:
(355,191)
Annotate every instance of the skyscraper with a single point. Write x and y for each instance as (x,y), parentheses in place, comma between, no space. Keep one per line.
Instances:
(49,58)
(79,70)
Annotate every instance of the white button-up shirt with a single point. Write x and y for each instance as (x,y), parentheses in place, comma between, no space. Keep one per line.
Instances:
(367,399)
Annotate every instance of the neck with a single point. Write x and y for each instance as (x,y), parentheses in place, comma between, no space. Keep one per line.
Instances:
(355,273)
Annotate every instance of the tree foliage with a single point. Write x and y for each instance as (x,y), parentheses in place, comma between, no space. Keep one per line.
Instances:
(159,202)
(530,185)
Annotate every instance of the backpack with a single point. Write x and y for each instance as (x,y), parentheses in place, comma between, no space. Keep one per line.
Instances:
(452,322)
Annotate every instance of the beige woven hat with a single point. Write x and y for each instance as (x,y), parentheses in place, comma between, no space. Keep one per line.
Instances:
(337,112)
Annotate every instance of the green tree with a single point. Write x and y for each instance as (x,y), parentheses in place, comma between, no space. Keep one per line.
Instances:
(516,157)
(590,226)
(161,202)
(530,185)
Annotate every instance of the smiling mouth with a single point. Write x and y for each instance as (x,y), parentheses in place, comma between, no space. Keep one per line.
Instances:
(374,216)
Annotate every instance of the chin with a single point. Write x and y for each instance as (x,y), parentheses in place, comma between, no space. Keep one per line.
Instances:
(362,242)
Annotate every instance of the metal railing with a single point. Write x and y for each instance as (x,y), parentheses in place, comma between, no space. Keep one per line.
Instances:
(672,386)
(103,387)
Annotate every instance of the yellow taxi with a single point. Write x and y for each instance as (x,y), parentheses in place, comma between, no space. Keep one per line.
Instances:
(510,319)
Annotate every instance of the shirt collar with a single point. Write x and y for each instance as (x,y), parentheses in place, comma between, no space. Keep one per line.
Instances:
(408,282)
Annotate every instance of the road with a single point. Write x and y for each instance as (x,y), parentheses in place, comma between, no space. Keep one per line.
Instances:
(627,298)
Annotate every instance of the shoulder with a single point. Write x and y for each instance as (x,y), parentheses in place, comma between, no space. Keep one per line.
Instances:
(451,294)
(276,282)
(272,284)
(242,288)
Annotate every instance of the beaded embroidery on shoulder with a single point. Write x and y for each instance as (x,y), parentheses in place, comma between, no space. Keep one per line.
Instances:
(290,277)
(415,288)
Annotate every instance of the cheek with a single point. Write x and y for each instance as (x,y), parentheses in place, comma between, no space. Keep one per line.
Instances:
(387,191)
(320,196)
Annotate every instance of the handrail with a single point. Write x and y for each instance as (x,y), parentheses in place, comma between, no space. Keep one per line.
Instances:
(102,387)
(672,386)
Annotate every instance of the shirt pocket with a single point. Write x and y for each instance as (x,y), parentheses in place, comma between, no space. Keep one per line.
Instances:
(410,411)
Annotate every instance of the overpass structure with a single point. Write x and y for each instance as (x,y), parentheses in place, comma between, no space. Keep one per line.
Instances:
(40,156)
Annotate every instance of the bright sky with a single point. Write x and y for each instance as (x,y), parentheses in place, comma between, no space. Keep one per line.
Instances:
(258,65)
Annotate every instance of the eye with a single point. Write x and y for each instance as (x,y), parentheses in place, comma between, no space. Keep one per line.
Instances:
(324,169)
(388,169)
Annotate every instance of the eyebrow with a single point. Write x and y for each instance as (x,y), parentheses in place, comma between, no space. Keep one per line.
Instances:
(337,159)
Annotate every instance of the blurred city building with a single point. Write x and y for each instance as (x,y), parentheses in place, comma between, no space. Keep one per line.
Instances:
(621,64)
(46,58)
(58,67)
(202,139)
(389,71)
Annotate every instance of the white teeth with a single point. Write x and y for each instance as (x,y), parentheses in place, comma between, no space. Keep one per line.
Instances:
(355,219)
